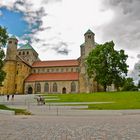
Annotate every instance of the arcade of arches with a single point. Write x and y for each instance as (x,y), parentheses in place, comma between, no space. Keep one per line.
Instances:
(54,87)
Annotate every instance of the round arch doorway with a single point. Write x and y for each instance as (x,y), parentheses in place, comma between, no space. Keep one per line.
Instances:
(63,90)
(30,90)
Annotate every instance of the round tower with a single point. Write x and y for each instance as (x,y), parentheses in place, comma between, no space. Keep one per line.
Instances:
(10,66)
(12,48)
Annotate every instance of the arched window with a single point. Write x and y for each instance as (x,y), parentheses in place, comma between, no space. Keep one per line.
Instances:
(73,87)
(46,87)
(38,87)
(62,70)
(71,69)
(19,53)
(23,53)
(10,42)
(89,36)
(54,87)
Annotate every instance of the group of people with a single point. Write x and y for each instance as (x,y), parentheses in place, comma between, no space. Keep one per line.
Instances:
(40,100)
(8,97)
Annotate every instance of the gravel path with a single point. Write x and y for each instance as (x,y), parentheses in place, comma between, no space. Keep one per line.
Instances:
(125,127)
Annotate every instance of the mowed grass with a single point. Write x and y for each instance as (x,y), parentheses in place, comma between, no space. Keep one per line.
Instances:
(120,100)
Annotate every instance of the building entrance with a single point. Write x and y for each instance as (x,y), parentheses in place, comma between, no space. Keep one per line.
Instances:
(64,90)
(30,90)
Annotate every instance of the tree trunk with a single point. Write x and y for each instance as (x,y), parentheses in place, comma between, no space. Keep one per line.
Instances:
(105,87)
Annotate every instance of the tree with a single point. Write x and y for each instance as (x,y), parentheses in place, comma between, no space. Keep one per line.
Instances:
(3,40)
(129,85)
(139,84)
(106,65)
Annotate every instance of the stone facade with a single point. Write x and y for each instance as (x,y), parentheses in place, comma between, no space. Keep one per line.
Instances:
(26,73)
(49,87)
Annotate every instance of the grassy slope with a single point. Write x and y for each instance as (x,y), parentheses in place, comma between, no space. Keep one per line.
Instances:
(17,111)
(122,100)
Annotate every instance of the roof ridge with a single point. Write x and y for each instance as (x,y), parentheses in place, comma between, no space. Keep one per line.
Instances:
(57,60)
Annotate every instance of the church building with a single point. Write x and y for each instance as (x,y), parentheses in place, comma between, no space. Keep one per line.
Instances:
(27,74)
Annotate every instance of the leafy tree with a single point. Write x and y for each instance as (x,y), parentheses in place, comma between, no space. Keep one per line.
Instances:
(3,40)
(139,84)
(129,85)
(106,65)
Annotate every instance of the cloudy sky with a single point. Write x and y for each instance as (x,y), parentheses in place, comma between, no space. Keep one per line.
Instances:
(55,28)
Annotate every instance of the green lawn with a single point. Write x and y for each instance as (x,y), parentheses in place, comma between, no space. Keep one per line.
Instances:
(17,111)
(121,100)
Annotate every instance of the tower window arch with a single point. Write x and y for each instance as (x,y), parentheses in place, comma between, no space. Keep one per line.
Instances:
(10,42)
(38,87)
(46,87)
(54,87)
(89,36)
(73,87)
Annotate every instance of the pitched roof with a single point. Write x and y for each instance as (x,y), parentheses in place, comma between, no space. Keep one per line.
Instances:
(67,76)
(55,63)
(20,58)
(89,32)
(26,47)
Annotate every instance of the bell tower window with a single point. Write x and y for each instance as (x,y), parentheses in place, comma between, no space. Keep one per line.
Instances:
(89,36)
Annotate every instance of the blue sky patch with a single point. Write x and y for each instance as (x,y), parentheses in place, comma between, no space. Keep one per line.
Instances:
(14,22)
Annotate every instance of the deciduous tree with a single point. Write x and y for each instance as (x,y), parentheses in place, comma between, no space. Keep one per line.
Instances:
(3,40)
(106,65)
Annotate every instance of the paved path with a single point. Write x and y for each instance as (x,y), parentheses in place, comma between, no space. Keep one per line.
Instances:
(70,128)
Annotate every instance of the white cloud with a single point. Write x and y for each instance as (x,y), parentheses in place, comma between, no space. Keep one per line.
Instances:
(67,20)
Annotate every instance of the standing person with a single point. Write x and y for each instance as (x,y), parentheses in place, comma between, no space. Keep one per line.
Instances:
(12,96)
(8,97)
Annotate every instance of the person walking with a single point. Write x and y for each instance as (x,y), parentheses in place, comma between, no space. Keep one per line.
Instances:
(12,96)
(8,96)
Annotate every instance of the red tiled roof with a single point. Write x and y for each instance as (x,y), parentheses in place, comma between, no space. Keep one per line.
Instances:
(55,63)
(53,77)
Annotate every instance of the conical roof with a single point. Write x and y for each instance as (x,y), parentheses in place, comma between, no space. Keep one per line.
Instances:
(89,32)
(13,37)
(82,45)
